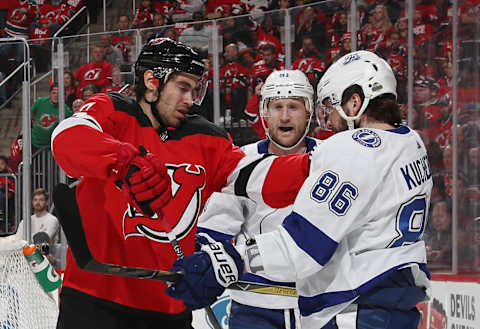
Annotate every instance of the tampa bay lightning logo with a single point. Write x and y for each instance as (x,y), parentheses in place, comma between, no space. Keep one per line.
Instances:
(367,138)
(220,309)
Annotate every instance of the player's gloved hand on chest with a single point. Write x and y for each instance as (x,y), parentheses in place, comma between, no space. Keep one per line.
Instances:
(143,179)
(206,274)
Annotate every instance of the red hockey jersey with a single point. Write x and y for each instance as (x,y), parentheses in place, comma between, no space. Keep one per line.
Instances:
(199,157)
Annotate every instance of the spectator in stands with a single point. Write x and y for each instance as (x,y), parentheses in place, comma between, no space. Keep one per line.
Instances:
(40,45)
(468,26)
(401,26)
(198,35)
(98,72)
(423,35)
(260,38)
(7,194)
(122,39)
(21,15)
(234,83)
(144,15)
(309,25)
(158,28)
(252,113)
(45,118)
(396,55)
(308,61)
(41,220)
(445,82)
(69,83)
(16,153)
(345,46)
(376,33)
(77,104)
(269,63)
(117,83)
(425,97)
(393,8)
(269,27)
(279,15)
(247,57)
(112,55)
(88,91)
(183,10)
(439,239)
(339,27)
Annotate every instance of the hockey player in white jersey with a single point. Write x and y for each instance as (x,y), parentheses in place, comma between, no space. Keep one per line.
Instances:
(286,109)
(353,242)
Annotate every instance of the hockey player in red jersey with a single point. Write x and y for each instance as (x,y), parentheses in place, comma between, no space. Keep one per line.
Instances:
(100,143)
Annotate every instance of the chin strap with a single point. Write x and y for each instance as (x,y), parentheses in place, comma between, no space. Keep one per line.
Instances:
(163,132)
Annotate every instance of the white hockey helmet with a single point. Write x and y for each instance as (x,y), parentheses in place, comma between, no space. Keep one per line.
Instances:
(363,68)
(286,84)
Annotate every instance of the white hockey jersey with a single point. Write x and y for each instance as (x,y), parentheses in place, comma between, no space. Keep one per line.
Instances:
(359,217)
(226,216)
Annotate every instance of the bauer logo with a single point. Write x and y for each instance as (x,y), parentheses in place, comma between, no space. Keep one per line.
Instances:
(351,58)
(367,138)
(220,308)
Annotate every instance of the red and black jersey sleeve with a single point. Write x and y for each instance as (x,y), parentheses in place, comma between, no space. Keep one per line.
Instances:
(88,135)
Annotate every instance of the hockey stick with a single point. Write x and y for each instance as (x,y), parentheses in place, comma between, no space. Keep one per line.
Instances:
(69,218)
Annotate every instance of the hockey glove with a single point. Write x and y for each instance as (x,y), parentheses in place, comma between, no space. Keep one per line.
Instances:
(206,274)
(143,179)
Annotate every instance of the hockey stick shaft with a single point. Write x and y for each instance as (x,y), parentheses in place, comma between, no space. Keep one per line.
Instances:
(178,250)
(69,218)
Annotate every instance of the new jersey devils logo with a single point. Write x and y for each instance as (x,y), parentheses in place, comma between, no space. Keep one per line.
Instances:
(181,213)
(47,120)
(92,74)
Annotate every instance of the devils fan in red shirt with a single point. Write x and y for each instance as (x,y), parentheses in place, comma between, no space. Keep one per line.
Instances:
(102,143)
(98,72)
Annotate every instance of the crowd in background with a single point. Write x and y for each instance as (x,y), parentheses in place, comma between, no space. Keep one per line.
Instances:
(252,47)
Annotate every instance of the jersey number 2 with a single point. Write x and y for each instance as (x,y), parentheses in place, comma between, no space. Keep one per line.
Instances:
(410,223)
(342,198)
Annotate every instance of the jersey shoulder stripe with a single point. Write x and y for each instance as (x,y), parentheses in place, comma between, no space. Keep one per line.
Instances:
(128,105)
(196,124)
(244,175)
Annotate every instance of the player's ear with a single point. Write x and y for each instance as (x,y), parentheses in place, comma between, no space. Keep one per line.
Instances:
(354,104)
(151,83)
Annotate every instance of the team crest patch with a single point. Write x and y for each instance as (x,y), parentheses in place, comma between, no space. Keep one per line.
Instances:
(367,138)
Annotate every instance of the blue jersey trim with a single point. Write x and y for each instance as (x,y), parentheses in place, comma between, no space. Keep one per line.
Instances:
(311,143)
(402,130)
(262,146)
(315,304)
(309,238)
(217,236)
(250,277)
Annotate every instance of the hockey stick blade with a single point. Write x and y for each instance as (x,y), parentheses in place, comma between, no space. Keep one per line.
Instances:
(69,218)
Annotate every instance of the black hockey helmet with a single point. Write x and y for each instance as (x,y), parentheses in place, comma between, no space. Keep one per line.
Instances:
(164,56)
